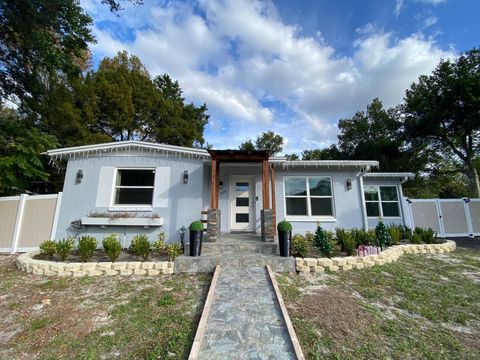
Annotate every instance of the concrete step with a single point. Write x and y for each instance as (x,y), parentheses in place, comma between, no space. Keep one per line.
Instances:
(237,247)
(207,263)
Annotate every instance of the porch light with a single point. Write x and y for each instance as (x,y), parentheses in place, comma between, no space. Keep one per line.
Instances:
(79,177)
(348,184)
(185,176)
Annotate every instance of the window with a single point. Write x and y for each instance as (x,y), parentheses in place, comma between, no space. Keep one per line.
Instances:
(134,187)
(308,196)
(382,201)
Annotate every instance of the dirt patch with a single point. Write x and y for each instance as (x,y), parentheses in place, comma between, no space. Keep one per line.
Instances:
(335,312)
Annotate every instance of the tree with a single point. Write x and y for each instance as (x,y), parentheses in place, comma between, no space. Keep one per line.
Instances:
(39,39)
(20,149)
(269,141)
(443,109)
(330,153)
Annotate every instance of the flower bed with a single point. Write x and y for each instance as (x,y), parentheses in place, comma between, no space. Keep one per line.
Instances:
(27,263)
(392,253)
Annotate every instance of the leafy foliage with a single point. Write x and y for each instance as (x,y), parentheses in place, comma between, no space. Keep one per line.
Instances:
(382,235)
(361,237)
(141,246)
(159,245)
(284,226)
(112,247)
(63,248)
(173,250)
(300,246)
(48,248)
(323,242)
(269,141)
(86,247)
(196,226)
(395,233)
(346,241)
(426,236)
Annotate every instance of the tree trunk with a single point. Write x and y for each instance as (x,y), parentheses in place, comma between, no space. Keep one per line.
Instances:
(473,180)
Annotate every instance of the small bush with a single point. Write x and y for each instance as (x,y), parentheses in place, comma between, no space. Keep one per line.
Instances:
(406,233)
(63,248)
(86,247)
(141,246)
(345,240)
(309,236)
(360,236)
(416,238)
(284,226)
(112,247)
(174,250)
(427,236)
(48,248)
(159,245)
(300,246)
(196,226)
(323,242)
(382,235)
(395,234)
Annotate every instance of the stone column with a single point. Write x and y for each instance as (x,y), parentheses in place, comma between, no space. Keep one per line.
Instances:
(213,225)
(267,225)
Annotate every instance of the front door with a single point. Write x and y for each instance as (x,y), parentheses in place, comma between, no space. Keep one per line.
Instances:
(242,203)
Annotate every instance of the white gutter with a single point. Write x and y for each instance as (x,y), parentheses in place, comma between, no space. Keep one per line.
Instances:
(360,175)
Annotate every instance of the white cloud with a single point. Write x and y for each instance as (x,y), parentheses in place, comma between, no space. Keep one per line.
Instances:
(239,55)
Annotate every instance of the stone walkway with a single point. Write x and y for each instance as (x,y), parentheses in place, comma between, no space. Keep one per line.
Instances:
(245,321)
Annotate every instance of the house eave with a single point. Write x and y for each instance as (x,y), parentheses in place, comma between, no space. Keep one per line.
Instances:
(390,175)
(324,163)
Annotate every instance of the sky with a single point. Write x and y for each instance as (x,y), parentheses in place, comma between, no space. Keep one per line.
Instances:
(293,67)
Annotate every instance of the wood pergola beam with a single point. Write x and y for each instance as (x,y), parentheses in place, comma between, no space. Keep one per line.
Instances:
(265,185)
(214,186)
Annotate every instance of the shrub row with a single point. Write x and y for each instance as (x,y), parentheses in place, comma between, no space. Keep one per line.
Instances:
(86,246)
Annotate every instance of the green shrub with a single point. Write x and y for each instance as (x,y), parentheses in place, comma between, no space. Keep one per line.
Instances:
(159,245)
(196,226)
(345,240)
(141,246)
(300,246)
(48,248)
(360,236)
(309,236)
(382,235)
(395,234)
(427,236)
(323,242)
(284,226)
(174,250)
(86,247)
(63,248)
(372,237)
(112,247)
(416,238)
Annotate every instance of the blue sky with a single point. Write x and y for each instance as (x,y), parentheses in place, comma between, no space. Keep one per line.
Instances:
(294,67)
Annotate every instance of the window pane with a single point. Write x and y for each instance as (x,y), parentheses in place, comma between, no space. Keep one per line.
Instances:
(296,206)
(371,193)
(388,193)
(321,206)
(320,186)
(241,218)
(372,209)
(390,209)
(241,186)
(295,186)
(135,177)
(241,201)
(134,197)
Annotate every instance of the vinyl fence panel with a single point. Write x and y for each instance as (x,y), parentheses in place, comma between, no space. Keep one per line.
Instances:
(8,215)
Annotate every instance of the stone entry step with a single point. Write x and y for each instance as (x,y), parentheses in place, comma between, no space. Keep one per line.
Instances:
(237,247)
(207,263)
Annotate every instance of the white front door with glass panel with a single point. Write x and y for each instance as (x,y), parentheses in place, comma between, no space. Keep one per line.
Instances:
(242,203)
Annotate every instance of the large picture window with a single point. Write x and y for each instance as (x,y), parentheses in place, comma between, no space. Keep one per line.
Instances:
(134,187)
(308,196)
(382,201)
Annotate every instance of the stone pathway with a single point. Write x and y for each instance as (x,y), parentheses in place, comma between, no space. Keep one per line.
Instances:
(245,321)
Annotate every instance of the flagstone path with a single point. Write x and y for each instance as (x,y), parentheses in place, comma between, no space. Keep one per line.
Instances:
(245,320)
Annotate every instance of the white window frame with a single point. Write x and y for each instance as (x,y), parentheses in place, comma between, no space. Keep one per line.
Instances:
(130,207)
(309,216)
(380,201)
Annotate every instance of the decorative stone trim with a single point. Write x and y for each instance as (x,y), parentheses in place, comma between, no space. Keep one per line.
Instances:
(26,263)
(390,254)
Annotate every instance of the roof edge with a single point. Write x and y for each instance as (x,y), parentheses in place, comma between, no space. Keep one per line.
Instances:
(317,163)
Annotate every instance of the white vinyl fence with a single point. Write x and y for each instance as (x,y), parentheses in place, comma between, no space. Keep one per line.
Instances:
(448,217)
(26,221)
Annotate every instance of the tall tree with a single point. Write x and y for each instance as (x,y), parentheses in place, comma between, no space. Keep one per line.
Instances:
(269,141)
(330,153)
(443,110)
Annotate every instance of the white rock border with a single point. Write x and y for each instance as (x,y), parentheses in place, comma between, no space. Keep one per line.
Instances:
(26,263)
(390,254)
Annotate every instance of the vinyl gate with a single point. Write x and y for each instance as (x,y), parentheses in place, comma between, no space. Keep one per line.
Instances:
(448,217)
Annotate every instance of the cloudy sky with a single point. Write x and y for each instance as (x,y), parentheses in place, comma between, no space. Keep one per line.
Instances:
(294,67)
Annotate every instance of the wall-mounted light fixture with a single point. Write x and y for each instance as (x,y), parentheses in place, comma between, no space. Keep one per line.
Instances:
(79,177)
(185,176)
(348,184)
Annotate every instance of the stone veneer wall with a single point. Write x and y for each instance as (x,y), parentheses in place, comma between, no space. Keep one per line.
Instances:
(54,268)
(392,253)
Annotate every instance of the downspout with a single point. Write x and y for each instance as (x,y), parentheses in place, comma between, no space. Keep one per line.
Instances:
(362,196)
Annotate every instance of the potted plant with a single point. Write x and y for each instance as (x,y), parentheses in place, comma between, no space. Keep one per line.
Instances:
(196,237)
(285,238)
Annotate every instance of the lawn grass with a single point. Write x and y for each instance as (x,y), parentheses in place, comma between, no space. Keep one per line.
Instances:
(420,307)
(136,317)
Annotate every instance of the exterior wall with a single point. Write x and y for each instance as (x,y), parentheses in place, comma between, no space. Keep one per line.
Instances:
(183,202)
(373,221)
(8,215)
(347,205)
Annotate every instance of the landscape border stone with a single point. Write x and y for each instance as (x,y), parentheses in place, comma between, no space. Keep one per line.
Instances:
(27,263)
(390,254)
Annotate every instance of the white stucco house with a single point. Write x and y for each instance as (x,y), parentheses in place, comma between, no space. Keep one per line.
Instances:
(130,187)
